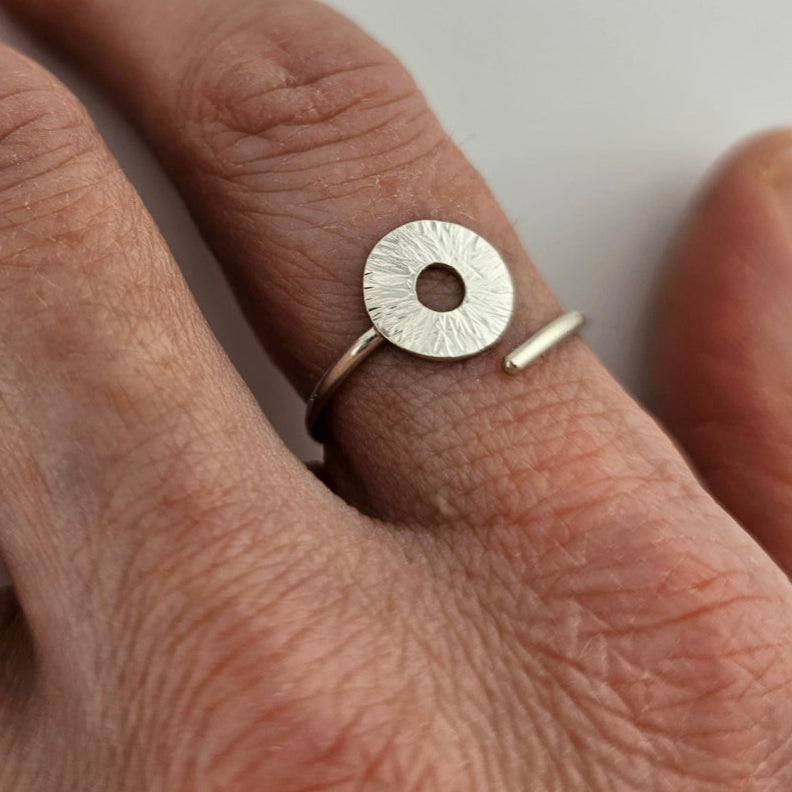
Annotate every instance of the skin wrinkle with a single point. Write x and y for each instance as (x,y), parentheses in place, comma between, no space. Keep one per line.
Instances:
(642,741)
(57,132)
(146,567)
(221,96)
(25,205)
(587,676)
(313,760)
(225,553)
(227,117)
(474,653)
(374,170)
(370,178)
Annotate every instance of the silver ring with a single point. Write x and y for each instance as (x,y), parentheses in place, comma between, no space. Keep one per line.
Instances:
(391,297)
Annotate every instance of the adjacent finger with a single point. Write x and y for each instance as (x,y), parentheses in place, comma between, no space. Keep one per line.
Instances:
(126,438)
(299,142)
(724,368)
(190,589)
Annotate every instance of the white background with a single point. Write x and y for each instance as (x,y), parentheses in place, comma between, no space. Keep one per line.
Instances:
(592,119)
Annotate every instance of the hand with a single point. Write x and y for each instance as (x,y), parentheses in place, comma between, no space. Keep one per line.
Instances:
(522,587)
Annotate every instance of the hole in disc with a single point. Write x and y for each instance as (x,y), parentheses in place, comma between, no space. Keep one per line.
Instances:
(440,288)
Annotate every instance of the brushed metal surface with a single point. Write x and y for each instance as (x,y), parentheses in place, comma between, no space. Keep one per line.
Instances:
(390,290)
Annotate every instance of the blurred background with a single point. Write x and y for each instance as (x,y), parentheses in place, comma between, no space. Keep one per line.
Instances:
(593,120)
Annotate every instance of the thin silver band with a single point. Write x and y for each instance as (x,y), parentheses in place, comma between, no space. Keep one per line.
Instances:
(517,360)
(334,376)
(543,341)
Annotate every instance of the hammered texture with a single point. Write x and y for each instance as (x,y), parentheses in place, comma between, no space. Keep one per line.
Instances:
(390,290)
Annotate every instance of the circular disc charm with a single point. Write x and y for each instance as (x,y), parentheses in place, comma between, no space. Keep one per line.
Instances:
(391,297)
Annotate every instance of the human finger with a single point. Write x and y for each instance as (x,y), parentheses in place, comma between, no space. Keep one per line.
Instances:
(120,417)
(299,142)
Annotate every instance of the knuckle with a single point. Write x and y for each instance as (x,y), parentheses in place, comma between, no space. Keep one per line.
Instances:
(257,99)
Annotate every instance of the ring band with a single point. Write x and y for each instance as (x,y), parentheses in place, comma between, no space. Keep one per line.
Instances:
(398,316)
(543,341)
(333,378)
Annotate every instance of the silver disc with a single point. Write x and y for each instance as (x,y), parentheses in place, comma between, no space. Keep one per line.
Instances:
(390,290)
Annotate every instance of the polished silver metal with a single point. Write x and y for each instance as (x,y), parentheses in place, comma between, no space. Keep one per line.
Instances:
(335,375)
(390,290)
(542,342)
(390,294)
